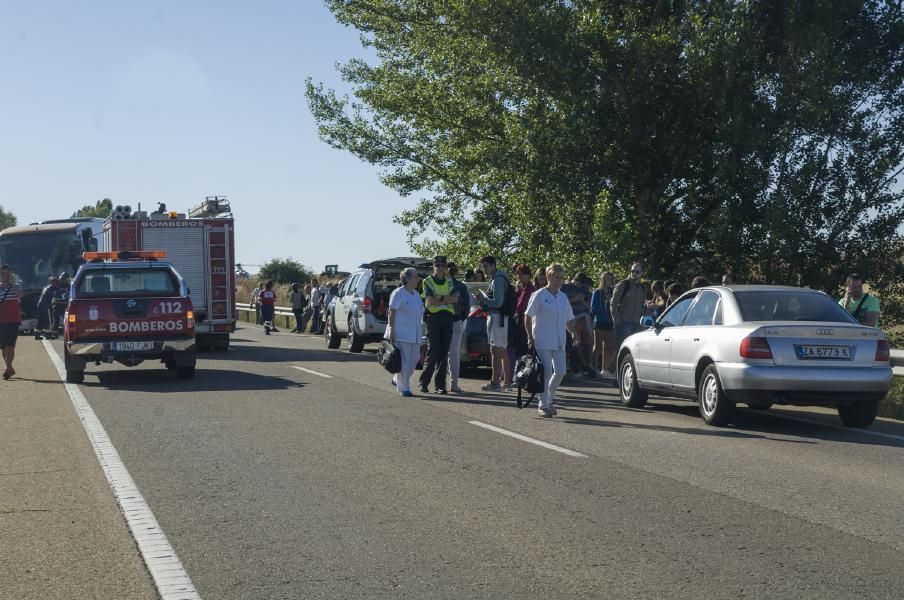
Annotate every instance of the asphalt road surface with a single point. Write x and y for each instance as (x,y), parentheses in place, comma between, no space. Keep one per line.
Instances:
(272,481)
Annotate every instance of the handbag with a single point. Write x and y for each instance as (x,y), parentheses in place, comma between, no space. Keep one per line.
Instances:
(390,357)
(529,376)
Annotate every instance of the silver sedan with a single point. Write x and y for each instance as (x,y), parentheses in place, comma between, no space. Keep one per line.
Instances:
(757,345)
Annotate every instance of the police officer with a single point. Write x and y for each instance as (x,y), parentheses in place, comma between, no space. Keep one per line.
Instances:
(440,301)
(44,328)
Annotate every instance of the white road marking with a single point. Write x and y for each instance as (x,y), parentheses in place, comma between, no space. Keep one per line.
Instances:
(313,372)
(890,436)
(529,440)
(170,577)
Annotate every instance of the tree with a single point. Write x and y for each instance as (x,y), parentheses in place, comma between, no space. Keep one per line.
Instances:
(285,270)
(7,219)
(762,136)
(102,209)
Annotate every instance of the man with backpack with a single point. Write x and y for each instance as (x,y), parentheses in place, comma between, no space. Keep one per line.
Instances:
(440,301)
(628,302)
(499,304)
(863,306)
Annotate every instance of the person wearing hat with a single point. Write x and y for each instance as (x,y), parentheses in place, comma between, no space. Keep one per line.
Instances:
(45,304)
(440,301)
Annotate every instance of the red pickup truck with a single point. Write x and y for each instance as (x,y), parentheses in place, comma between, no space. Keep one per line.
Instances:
(128,307)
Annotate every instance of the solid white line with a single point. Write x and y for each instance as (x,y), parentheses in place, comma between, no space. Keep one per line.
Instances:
(313,372)
(170,577)
(530,440)
(891,436)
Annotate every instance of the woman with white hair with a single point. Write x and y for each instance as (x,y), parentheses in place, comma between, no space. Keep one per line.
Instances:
(546,319)
(405,330)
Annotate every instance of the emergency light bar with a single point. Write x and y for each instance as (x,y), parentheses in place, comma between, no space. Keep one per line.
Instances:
(124,255)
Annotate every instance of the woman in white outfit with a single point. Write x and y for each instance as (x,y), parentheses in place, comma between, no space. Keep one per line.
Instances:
(405,330)
(546,320)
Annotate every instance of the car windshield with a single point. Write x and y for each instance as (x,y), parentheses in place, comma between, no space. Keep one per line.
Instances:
(34,257)
(790,306)
(127,282)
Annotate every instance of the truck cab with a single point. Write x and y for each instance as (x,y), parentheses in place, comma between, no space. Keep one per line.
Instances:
(128,307)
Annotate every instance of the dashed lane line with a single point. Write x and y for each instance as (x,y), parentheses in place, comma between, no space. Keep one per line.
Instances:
(529,440)
(313,372)
(170,577)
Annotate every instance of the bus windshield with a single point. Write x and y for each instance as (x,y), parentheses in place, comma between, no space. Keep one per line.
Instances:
(33,257)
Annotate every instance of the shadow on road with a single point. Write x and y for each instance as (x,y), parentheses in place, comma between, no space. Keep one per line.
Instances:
(289,355)
(205,380)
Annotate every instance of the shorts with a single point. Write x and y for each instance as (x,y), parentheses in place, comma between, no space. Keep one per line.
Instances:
(497,330)
(9,333)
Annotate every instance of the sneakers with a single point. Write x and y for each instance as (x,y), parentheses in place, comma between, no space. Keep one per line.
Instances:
(267,330)
(407,394)
(441,391)
(424,389)
(274,329)
(491,387)
(456,390)
(508,387)
(546,414)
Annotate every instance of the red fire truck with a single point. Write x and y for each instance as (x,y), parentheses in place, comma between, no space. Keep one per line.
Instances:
(201,246)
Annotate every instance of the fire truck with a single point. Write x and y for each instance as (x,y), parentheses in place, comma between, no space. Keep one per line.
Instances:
(201,245)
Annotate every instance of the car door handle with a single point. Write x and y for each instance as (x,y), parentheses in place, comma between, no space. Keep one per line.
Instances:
(696,339)
(667,340)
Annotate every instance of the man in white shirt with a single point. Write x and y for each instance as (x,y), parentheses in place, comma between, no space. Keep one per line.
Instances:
(255,304)
(546,320)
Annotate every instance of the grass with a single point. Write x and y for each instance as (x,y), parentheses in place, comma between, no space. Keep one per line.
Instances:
(893,404)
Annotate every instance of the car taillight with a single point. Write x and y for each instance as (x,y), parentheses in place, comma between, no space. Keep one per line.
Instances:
(367,304)
(883,352)
(70,325)
(190,319)
(755,347)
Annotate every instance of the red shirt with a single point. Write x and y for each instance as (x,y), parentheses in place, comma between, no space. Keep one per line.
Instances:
(267,298)
(523,298)
(10,312)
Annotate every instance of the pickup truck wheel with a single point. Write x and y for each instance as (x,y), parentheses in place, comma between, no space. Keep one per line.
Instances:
(75,376)
(333,339)
(355,343)
(631,394)
(185,372)
(715,407)
(861,414)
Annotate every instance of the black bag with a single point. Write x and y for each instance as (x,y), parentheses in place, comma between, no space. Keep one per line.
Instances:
(529,377)
(390,357)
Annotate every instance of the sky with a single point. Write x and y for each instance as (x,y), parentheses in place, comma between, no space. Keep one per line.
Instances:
(159,101)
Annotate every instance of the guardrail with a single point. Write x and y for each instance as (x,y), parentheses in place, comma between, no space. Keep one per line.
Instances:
(283,317)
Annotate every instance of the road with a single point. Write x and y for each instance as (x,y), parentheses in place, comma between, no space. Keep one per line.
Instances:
(271,481)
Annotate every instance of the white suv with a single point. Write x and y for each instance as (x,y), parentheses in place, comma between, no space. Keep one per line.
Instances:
(361,310)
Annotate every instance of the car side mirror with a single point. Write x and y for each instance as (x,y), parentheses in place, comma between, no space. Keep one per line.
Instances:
(647,322)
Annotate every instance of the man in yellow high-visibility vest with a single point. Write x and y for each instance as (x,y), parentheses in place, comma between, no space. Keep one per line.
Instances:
(440,300)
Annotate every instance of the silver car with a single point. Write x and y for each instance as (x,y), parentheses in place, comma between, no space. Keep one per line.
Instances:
(757,345)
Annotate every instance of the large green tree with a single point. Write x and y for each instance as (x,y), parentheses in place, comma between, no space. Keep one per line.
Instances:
(285,270)
(7,219)
(765,137)
(101,208)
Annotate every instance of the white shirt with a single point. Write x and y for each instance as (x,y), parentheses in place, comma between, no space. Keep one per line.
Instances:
(409,316)
(549,314)
(316,295)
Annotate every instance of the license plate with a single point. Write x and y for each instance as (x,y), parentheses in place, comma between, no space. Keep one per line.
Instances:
(131,346)
(823,352)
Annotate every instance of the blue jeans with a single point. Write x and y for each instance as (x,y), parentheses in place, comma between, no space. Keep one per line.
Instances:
(623,330)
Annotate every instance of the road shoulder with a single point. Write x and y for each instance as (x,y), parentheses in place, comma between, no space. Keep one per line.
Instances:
(63,535)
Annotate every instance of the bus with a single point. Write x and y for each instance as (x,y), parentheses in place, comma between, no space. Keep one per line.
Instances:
(36,252)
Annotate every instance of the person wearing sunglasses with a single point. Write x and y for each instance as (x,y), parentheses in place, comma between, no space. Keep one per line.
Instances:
(628,303)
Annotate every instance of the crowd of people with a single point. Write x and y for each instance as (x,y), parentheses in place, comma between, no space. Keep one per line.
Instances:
(574,326)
